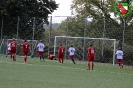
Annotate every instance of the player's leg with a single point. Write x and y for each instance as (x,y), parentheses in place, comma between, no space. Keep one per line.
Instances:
(7,53)
(92,60)
(25,57)
(88,63)
(59,58)
(62,59)
(14,56)
(43,56)
(121,63)
(40,57)
(39,54)
(11,55)
(73,59)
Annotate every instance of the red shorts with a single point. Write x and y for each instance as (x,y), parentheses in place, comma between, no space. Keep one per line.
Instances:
(40,52)
(8,51)
(13,51)
(61,55)
(25,53)
(71,56)
(91,58)
(120,60)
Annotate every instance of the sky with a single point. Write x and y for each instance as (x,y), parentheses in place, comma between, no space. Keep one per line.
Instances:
(64,8)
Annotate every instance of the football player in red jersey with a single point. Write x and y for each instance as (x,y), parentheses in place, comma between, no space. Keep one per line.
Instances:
(91,55)
(61,51)
(13,46)
(25,49)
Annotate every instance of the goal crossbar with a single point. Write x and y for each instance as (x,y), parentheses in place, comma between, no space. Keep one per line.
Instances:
(85,38)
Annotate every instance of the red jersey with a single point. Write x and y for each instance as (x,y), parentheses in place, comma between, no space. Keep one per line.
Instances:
(61,50)
(13,45)
(25,46)
(91,51)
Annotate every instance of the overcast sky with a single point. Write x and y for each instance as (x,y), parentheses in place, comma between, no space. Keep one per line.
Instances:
(64,8)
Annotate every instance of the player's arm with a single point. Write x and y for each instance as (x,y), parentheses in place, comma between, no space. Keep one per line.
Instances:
(58,49)
(43,47)
(16,45)
(116,53)
(74,49)
(22,46)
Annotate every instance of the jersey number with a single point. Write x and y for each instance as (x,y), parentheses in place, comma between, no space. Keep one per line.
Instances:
(13,45)
(62,50)
(92,51)
(26,46)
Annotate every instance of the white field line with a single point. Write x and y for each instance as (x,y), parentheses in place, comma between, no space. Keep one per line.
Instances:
(61,66)
(96,64)
(102,64)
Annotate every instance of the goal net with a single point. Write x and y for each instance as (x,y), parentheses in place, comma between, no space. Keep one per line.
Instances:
(104,47)
(5,42)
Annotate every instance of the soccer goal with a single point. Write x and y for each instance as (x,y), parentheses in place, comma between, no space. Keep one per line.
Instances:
(5,42)
(104,47)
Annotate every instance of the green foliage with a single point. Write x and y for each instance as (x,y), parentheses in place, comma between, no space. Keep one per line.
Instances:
(25,28)
(32,8)
(99,10)
(128,54)
(10,10)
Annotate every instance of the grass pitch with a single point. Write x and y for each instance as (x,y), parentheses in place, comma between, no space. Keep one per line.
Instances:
(50,74)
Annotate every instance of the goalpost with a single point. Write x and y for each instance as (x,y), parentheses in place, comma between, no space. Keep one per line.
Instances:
(5,42)
(105,47)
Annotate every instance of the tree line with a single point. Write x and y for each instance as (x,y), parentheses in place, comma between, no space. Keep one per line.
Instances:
(24,16)
(31,15)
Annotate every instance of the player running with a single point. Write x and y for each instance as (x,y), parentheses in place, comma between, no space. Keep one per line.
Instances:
(40,48)
(71,51)
(91,55)
(13,46)
(25,49)
(61,51)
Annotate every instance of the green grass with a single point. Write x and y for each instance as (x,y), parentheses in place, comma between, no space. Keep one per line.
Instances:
(50,74)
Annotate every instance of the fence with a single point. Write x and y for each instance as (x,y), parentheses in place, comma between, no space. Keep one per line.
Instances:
(74,27)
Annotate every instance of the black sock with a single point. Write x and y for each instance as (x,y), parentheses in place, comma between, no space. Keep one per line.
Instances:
(40,57)
(73,61)
(11,55)
(43,57)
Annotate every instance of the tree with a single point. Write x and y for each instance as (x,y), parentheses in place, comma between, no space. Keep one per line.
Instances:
(103,23)
(102,9)
(10,10)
